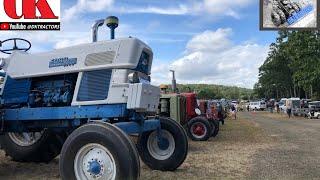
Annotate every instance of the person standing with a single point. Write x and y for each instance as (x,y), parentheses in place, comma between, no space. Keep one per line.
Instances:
(289,108)
(234,111)
(220,115)
(278,108)
(271,106)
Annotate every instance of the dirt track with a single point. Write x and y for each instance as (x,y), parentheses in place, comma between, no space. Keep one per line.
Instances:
(296,153)
(258,146)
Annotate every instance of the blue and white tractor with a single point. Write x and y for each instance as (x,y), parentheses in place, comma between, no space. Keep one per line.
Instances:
(83,102)
(282,10)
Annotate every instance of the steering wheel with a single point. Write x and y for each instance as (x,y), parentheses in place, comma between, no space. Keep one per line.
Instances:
(15,47)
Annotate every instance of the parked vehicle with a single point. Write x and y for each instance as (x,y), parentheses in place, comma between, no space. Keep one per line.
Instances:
(184,108)
(296,105)
(282,104)
(257,105)
(304,108)
(314,110)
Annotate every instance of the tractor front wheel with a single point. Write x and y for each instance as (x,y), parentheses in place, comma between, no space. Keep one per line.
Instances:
(199,129)
(164,149)
(99,151)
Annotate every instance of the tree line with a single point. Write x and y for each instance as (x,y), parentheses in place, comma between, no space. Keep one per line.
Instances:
(211,91)
(292,67)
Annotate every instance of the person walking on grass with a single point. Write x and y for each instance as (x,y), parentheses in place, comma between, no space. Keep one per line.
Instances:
(234,111)
(220,115)
(289,108)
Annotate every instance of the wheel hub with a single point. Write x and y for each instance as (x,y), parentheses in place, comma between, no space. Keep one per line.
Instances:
(198,130)
(163,147)
(94,161)
(95,167)
(25,138)
(163,143)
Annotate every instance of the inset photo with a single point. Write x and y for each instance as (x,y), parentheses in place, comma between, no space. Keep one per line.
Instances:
(288,14)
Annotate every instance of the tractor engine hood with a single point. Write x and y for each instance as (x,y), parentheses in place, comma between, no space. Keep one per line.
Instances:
(112,54)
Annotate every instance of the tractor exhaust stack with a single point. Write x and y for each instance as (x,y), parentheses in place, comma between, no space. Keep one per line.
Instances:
(95,28)
(174,82)
(112,22)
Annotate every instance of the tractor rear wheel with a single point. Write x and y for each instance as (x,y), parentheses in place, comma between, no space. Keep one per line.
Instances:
(199,129)
(216,127)
(167,152)
(41,146)
(99,151)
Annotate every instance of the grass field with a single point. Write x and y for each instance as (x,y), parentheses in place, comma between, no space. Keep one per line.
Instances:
(226,156)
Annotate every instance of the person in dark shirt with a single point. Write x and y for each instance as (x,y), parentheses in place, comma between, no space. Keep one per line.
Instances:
(220,115)
(234,111)
(278,108)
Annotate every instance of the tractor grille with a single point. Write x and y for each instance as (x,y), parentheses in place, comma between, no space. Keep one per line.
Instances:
(16,91)
(94,85)
(103,58)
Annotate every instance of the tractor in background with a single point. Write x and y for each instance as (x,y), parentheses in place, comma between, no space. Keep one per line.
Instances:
(201,124)
(183,108)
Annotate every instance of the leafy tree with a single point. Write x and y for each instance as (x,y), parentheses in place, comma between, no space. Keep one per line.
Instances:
(292,66)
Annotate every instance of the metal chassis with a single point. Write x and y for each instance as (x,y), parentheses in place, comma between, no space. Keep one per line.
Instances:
(71,117)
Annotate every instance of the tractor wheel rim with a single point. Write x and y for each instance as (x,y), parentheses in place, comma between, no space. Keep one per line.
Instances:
(25,138)
(198,130)
(155,149)
(94,161)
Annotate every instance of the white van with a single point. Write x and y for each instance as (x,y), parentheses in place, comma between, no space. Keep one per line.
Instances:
(282,104)
(295,102)
(258,106)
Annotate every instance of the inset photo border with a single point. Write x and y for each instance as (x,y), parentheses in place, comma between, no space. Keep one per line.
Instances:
(289,14)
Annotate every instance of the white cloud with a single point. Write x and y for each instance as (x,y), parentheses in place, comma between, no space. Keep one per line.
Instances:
(85,6)
(212,57)
(180,10)
(214,8)
(210,41)
(224,7)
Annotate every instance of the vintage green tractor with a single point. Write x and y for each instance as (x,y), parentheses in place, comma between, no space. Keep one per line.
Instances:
(184,109)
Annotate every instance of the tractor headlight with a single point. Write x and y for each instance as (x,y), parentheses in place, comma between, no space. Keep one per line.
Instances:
(133,77)
(198,111)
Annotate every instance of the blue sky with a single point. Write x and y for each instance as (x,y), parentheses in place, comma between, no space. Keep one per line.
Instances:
(205,41)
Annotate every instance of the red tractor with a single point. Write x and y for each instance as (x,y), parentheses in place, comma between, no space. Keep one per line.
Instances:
(183,107)
(201,122)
